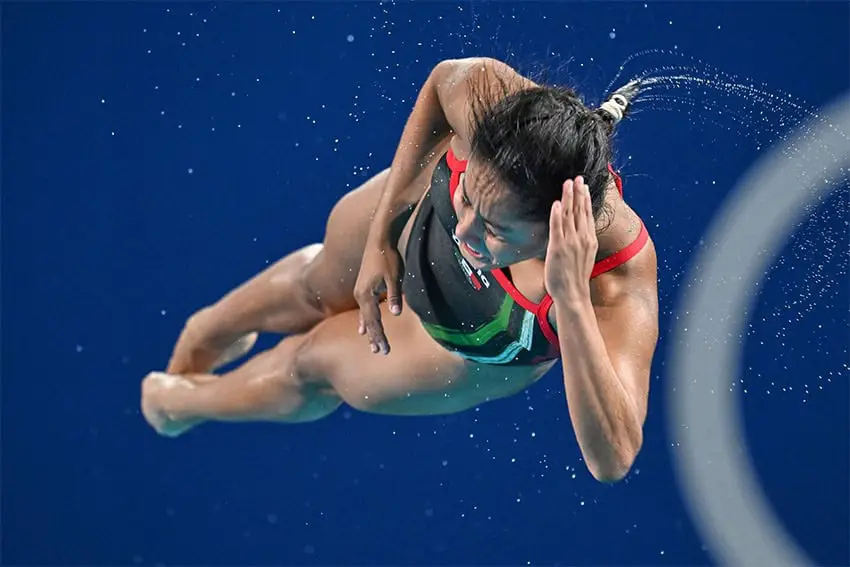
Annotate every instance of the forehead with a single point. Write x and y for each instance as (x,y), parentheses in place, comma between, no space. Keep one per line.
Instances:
(492,200)
(485,191)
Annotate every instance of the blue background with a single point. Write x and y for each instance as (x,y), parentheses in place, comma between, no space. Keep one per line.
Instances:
(109,242)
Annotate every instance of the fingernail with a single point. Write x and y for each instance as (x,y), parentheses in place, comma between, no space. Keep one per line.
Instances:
(374,348)
(395,309)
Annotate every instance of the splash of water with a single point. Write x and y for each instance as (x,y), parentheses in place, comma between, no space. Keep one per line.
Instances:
(764,117)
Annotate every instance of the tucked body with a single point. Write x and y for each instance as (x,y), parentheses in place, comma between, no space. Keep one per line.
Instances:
(497,244)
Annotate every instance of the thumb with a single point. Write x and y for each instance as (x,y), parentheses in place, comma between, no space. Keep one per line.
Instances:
(394,284)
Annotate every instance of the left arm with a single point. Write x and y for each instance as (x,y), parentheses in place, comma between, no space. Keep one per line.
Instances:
(607,344)
(608,333)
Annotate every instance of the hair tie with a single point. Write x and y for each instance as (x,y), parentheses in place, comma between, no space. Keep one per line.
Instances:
(615,106)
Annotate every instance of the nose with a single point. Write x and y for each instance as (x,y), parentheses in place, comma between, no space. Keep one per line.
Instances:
(466,230)
(465,225)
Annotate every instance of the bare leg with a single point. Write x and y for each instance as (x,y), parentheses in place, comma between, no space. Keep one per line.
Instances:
(291,296)
(306,377)
(236,351)
(306,286)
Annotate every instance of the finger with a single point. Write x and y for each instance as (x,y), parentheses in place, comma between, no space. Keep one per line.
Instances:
(371,313)
(394,294)
(368,303)
(556,220)
(371,322)
(567,193)
(377,338)
(568,224)
(581,199)
(380,345)
(361,327)
(591,222)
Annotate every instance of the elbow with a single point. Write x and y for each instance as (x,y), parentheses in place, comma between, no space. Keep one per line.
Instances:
(453,65)
(618,464)
(450,74)
(609,474)
(446,71)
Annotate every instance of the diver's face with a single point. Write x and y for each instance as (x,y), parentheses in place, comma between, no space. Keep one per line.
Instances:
(490,233)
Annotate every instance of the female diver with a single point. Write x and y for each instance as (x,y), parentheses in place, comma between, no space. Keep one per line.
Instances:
(496,244)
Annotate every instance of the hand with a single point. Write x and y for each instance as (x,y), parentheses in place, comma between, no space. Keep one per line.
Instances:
(572,243)
(380,270)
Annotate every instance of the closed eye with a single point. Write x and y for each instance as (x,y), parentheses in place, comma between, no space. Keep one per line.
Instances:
(488,228)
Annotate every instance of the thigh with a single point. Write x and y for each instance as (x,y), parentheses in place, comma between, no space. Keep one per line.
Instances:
(331,275)
(417,377)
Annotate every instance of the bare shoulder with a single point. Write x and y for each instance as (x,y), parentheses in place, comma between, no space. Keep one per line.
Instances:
(636,277)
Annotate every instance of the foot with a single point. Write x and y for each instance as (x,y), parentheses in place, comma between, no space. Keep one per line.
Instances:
(236,350)
(156,387)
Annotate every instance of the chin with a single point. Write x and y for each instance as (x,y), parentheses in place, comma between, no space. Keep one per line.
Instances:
(477,263)
(490,264)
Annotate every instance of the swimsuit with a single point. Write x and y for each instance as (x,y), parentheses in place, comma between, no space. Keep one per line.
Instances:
(480,315)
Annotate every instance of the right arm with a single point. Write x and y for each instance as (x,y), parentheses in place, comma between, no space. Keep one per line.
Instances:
(442,109)
(427,126)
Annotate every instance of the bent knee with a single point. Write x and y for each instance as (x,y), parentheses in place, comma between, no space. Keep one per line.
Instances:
(309,252)
(307,366)
(327,282)
(310,291)
(320,289)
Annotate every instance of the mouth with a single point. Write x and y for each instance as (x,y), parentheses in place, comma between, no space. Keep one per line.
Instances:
(474,253)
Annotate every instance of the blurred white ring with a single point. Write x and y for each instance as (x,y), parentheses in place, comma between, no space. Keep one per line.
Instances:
(719,484)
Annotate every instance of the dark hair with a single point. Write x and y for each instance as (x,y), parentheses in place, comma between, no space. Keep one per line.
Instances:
(534,139)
